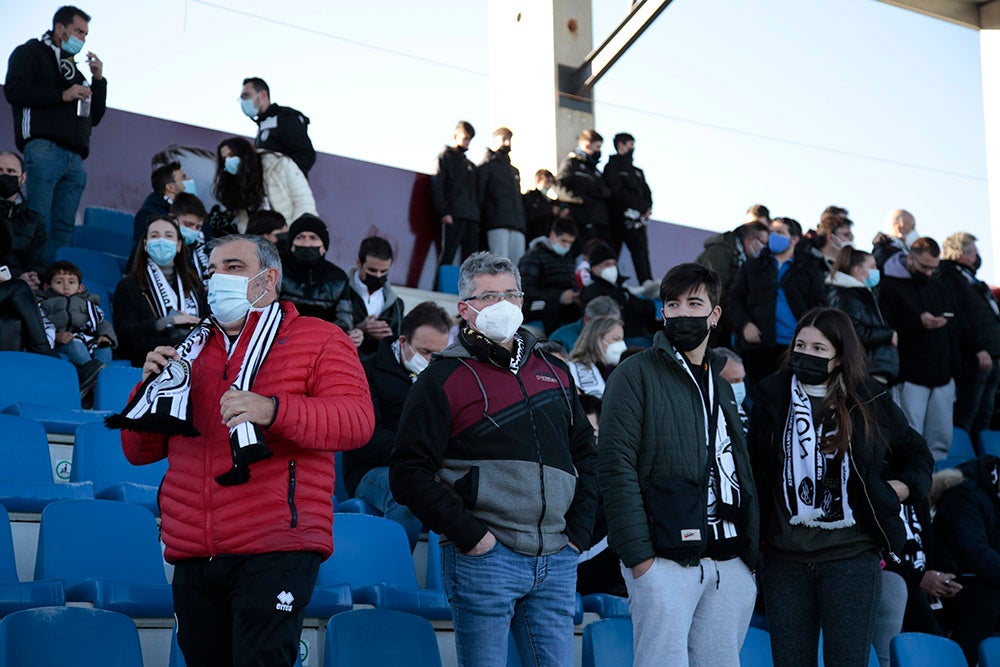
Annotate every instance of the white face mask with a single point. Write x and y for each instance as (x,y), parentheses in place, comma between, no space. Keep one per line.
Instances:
(498,322)
(416,363)
(613,354)
(610,274)
(227,296)
(740,392)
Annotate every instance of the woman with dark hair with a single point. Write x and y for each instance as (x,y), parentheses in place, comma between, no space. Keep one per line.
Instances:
(162,298)
(823,438)
(247,180)
(850,288)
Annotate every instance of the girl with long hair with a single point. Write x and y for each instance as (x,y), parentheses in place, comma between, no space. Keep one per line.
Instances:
(596,353)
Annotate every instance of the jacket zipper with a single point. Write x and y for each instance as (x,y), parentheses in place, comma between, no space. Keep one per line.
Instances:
(538,452)
(291,494)
(871,506)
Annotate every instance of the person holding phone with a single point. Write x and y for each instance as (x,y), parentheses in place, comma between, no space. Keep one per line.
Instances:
(375,308)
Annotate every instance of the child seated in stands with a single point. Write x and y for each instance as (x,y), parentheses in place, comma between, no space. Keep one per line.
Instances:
(82,334)
(190,214)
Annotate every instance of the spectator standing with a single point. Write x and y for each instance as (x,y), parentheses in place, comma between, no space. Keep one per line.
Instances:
(917,305)
(375,308)
(54,110)
(495,453)
(247,499)
(550,292)
(279,129)
(391,373)
(588,194)
(769,295)
(639,315)
(678,488)
(454,190)
(22,230)
(168,181)
(901,234)
(501,210)
(540,206)
(597,352)
(832,235)
(977,319)
(601,306)
(630,205)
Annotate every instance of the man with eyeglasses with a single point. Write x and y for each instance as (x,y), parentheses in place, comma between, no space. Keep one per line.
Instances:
(920,309)
(280,129)
(495,453)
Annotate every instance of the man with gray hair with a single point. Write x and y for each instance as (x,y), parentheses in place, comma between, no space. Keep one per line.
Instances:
(249,410)
(978,320)
(602,306)
(495,453)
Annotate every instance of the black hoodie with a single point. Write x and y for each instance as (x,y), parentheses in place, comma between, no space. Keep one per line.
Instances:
(286,130)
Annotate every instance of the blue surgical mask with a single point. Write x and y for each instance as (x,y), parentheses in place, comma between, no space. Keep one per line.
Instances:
(189,235)
(248,108)
(778,243)
(873,277)
(559,248)
(227,297)
(72,45)
(161,250)
(231,164)
(190,187)
(740,392)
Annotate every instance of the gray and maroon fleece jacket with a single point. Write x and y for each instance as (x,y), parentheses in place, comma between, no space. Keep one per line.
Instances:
(480,447)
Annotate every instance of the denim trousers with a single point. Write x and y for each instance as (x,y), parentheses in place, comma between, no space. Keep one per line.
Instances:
(374,490)
(76,352)
(501,592)
(839,596)
(54,186)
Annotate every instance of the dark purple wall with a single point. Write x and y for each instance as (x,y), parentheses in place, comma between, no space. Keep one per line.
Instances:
(355,198)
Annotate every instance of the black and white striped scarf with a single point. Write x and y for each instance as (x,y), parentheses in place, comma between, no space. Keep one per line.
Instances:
(162,404)
(200,260)
(913,551)
(167,298)
(88,335)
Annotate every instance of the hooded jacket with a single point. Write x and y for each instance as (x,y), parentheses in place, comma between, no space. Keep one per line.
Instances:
(37,75)
(581,179)
(454,187)
(850,295)
(22,238)
(285,130)
(968,520)
(499,193)
(317,290)
(885,246)
(323,407)
(483,448)
(392,311)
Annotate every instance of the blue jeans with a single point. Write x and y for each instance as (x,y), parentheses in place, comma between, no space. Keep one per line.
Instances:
(55,184)
(501,592)
(374,490)
(76,352)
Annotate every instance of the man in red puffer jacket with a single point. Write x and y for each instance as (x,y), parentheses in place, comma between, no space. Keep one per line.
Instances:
(246,555)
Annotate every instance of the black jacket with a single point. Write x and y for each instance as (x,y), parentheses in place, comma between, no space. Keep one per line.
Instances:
(874,332)
(976,314)
(390,384)
(638,314)
(22,238)
(580,178)
(537,213)
(317,290)
(499,193)
(544,274)
(629,189)
(893,443)
(135,322)
(37,75)
(392,312)
(454,186)
(153,206)
(884,247)
(968,522)
(754,293)
(286,130)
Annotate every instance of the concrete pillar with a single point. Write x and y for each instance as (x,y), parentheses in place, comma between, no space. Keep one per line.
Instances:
(989,47)
(528,41)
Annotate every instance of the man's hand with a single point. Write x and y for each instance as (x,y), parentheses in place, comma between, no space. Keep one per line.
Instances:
(984,360)
(184,318)
(939,584)
(751,333)
(76,92)
(357,336)
(32,279)
(96,66)
(238,407)
(895,339)
(375,327)
(157,360)
(569,296)
(63,337)
(483,545)
(932,321)
(447,219)
(902,490)
(641,568)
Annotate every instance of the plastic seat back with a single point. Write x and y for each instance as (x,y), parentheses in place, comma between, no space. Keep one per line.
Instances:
(989,652)
(39,380)
(608,643)
(989,442)
(69,636)
(109,218)
(24,451)
(756,650)
(368,550)
(114,385)
(110,241)
(98,458)
(916,649)
(380,638)
(448,279)
(94,264)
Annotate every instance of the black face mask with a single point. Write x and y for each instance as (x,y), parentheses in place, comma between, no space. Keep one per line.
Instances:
(978,264)
(373,283)
(808,368)
(595,158)
(685,333)
(504,149)
(307,255)
(919,277)
(9,185)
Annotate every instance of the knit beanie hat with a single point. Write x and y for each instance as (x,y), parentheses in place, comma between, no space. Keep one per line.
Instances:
(308,222)
(600,252)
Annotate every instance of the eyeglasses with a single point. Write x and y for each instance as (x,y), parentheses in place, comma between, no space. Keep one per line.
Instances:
(490,298)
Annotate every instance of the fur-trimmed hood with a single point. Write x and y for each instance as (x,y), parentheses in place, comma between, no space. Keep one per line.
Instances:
(942,481)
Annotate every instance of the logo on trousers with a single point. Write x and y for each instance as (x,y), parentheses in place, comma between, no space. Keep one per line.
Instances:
(285,600)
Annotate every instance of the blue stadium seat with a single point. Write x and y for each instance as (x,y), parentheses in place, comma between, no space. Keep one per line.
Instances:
(606,606)
(339,489)
(756,651)
(989,652)
(95,265)
(608,643)
(14,594)
(357,506)
(113,387)
(107,553)
(177,656)
(109,218)
(98,458)
(75,636)
(26,469)
(43,389)
(432,576)
(448,279)
(105,240)
(372,556)
(989,442)
(103,295)
(916,649)
(380,638)
(960,452)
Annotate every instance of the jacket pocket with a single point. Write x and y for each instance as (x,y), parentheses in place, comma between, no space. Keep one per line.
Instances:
(467,488)
(291,495)
(677,518)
